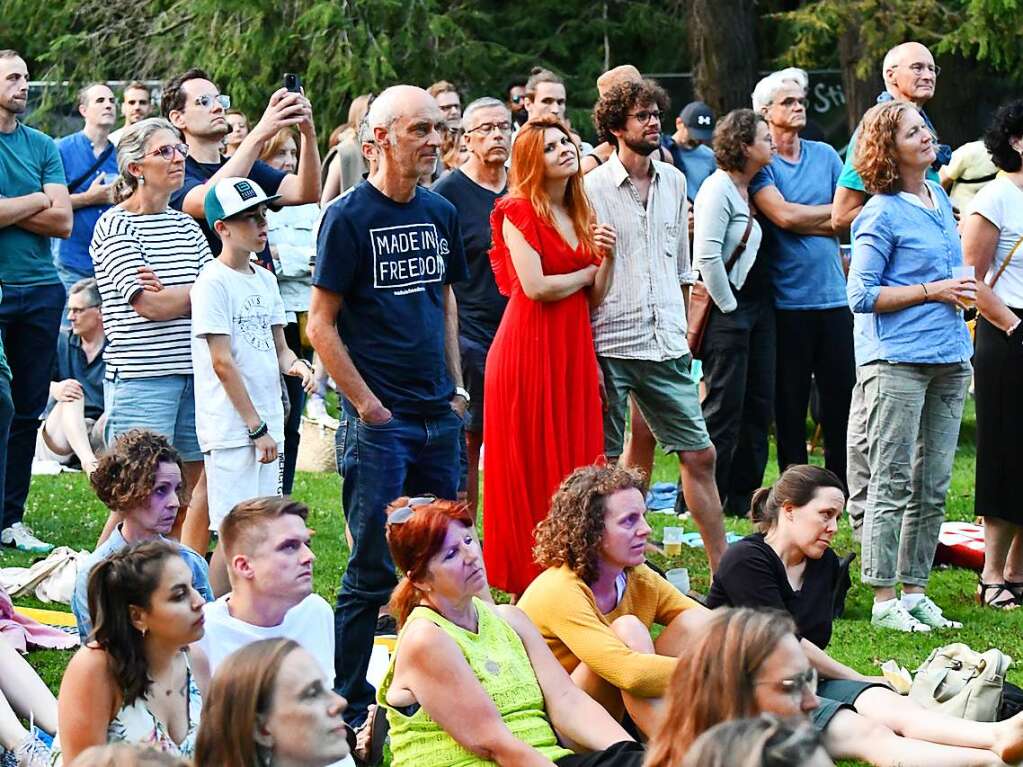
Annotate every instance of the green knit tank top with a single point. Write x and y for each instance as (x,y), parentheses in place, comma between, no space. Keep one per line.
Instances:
(498,658)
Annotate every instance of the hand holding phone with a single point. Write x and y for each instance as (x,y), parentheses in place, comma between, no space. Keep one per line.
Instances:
(292,83)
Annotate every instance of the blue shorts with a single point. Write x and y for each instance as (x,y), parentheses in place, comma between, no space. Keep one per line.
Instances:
(163,404)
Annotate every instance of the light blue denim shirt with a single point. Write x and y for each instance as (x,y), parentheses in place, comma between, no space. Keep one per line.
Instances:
(116,542)
(897,243)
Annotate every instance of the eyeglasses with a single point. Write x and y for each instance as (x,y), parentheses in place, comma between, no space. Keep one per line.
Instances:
(796,685)
(791,101)
(918,69)
(206,100)
(76,310)
(487,128)
(402,515)
(644,117)
(167,151)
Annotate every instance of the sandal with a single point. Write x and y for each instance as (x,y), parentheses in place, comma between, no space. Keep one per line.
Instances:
(1013,601)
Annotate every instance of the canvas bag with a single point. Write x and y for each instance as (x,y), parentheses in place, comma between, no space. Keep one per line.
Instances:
(960,682)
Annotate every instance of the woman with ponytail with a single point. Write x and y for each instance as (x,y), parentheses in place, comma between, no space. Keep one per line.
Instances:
(133,681)
(789,566)
(471,683)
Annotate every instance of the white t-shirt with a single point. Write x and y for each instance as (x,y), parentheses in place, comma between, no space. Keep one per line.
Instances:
(244,307)
(1001,203)
(310,623)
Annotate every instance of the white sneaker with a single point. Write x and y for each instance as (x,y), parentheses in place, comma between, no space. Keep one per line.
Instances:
(897,617)
(23,539)
(930,614)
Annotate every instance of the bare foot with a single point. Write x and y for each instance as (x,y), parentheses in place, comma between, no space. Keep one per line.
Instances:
(1009,740)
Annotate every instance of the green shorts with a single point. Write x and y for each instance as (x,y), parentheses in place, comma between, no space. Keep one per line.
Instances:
(667,395)
(833,695)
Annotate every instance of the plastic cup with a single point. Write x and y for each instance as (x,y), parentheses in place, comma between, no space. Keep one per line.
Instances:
(673,541)
(679,578)
(962,273)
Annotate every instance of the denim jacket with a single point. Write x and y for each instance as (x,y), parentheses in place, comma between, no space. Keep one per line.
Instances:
(897,243)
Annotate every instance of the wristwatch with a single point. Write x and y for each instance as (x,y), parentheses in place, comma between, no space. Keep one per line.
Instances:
(460,391)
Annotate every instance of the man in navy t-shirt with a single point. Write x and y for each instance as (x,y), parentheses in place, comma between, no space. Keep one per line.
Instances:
(197,108)
(384,321)
(473,189)
(814,325)
(90,166)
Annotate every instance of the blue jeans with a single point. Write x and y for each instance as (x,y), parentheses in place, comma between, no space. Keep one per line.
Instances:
(913,417)
(29,323)
(6,416)
(405,456)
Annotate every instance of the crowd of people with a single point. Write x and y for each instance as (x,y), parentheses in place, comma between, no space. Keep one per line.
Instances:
(687,291)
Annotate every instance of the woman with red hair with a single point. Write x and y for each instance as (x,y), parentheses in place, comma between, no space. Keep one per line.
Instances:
(471,683)
(543,415)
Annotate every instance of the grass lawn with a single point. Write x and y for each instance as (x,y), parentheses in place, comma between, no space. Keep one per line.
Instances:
(63,509)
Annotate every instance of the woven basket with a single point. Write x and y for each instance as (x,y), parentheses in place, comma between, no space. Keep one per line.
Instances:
(316,449)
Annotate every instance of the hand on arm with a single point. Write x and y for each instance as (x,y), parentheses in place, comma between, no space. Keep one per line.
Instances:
(793,217)
(157,303)
(605,237)
(56,220)
(67,390)
(324,307)
(535,284)
(231,379)
(845,207)
(432,668)
(573,713)
(13,210)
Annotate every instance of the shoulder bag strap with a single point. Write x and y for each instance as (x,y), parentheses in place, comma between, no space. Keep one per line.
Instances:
(73,186)
(1005,263)
(741,247)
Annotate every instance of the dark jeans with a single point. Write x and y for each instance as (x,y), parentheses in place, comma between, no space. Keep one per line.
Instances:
(292,426)
(814,344)
(738,370)
(405,456)
(6,416)
(29,324)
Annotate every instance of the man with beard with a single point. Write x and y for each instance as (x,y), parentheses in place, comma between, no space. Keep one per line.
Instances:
(136,104)
(639,332)
(515,90)
(197,108)
(473,189)
(34,206)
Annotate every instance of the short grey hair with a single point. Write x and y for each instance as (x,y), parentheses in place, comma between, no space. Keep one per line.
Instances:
(768,87)
(796,75)
(487,102)
(88,287)
(132,148)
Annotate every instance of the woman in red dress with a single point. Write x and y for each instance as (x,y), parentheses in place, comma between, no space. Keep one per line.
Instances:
(543,410)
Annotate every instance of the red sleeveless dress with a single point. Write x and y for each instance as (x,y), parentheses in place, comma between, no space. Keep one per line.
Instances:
(542,417)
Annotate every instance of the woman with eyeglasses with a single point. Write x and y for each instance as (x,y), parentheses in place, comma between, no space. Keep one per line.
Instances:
(146,256)
(789,566)
(471,683)
(749,662)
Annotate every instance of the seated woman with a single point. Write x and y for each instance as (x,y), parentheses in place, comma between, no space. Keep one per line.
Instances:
(270,704)
(596,601)
(139,480)
(24,696)
(470,683)
(749,662)
(765,741)
(789,565)
(133,681)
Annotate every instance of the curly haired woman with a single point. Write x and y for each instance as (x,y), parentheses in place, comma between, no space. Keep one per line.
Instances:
(905,253)
(139,480)
(596,601)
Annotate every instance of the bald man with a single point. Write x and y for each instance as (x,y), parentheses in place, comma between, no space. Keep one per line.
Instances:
(603,151)
(910,74)
(383,319)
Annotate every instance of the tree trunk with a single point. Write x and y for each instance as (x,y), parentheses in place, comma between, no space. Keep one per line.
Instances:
(860,94)
(722,41)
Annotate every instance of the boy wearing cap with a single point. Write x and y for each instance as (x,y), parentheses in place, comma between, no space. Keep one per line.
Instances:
(239,353)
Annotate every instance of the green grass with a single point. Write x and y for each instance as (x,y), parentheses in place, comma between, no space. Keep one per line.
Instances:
(63,509)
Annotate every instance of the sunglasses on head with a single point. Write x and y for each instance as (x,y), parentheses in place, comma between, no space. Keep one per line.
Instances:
(399,516)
